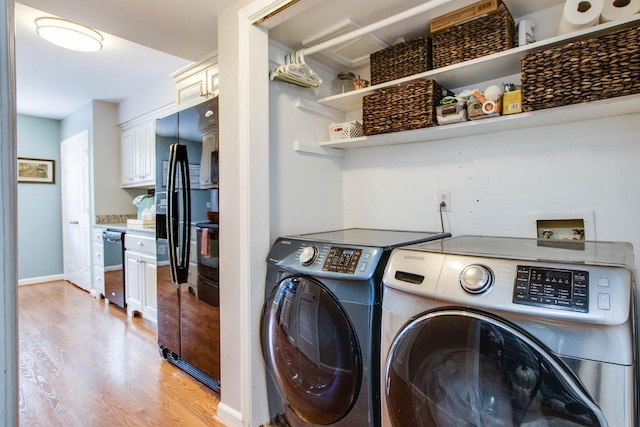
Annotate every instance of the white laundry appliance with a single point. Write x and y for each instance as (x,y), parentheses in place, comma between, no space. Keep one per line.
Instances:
(495,331)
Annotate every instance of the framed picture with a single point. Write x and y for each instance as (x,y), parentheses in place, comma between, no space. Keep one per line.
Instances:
(41,171)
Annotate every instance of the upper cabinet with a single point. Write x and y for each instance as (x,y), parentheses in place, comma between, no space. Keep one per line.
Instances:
(138,150)
(196,82)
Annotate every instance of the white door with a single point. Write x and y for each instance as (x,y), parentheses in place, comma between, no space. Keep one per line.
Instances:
(76,235)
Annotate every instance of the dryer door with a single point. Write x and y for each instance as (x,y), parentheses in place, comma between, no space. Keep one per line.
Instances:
(457,367)
(311,350)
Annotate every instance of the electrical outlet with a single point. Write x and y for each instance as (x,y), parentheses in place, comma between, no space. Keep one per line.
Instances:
(444,196)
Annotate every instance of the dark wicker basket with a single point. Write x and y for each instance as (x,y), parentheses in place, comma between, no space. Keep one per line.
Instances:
(401,60)
(582,71)
(404,107)
(479,37)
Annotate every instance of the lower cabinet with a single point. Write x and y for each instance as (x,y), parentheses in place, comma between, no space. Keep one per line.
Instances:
(140,273)
(97,287)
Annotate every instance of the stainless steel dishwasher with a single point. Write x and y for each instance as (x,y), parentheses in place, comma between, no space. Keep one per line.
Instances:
(114,289)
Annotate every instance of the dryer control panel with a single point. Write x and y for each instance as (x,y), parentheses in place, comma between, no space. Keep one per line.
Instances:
(342,260)
(548,287)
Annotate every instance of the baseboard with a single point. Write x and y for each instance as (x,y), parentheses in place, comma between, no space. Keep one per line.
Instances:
(38,280)
(229,416)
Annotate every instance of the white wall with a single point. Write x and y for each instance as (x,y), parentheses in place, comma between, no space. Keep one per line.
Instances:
(306,189)
(146,100)
(498,180)
(110,198)
(100,119)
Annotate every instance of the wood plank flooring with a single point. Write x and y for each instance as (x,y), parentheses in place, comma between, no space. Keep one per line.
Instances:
(85,363)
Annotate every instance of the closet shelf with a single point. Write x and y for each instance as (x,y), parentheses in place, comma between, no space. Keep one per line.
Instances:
(571,113)
(468,73)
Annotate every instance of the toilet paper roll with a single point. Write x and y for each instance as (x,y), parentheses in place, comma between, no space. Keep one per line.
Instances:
(618,9)
(579,14)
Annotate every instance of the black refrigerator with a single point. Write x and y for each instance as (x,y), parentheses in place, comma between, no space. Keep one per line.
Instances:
(186,189)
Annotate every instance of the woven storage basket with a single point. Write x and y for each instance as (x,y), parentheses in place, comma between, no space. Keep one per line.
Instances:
(582,71)
(345,130)
(404,107)
(401,60)
(479,37)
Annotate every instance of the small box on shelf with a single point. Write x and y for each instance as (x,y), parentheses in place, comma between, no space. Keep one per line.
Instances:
(345,130)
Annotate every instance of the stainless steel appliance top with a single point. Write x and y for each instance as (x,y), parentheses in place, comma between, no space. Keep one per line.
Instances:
(618,254)
(386,239)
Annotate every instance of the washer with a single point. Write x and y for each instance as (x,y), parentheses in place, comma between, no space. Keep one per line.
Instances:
(496,331)
(320,325)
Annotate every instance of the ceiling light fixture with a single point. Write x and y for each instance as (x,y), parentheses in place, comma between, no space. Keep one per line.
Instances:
(68,34)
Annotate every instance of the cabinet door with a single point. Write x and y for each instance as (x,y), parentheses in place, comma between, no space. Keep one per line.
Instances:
(127,157)
(147,154)
(138,145)
(191,90)
(133,284)
(150,294)
(211,77)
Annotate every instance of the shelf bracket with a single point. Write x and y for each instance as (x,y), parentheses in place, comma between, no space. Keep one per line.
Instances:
(313,148)
(309,106)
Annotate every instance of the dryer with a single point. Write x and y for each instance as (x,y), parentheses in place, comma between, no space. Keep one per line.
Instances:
(320,325)
(496,331)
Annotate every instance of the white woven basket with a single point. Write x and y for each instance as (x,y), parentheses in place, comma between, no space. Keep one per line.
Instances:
(345,130)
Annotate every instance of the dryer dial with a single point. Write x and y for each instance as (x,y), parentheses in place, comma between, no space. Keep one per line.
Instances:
(308,255)
(476,278)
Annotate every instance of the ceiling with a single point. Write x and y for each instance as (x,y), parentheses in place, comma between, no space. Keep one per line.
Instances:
(145,41)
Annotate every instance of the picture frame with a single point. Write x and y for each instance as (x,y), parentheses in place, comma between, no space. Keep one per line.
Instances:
(37,171)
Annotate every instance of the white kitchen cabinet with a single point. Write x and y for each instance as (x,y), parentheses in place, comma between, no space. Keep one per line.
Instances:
(196,82)
(138,148)
(140,273)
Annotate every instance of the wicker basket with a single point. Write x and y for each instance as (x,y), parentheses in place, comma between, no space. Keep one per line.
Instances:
(404,107)
(479,37)
(401,60)
(582,71)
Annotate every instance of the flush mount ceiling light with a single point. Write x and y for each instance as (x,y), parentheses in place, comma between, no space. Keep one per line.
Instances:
(69,35)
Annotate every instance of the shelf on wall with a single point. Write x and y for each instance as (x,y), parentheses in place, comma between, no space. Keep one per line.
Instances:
(571,113)
(479,69)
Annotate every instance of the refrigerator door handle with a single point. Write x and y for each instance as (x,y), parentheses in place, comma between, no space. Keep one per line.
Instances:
(178,212)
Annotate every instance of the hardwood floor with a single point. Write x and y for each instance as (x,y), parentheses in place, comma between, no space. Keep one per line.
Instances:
(85,363)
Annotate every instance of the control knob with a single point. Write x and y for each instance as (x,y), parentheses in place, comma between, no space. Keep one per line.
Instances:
(476,278)
(308,255)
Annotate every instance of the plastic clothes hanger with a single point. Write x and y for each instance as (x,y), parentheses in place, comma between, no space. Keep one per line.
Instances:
(295,70)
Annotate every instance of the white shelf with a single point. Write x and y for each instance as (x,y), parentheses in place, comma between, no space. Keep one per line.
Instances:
(477,70)
(550,116)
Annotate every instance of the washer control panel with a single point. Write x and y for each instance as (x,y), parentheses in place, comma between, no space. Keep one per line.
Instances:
(342,260)
(548,287)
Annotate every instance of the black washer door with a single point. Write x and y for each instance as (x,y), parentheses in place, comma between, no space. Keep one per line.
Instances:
(457,367)
(311,349)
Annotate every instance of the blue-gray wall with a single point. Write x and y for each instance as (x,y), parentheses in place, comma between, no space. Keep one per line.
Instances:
(39,205)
